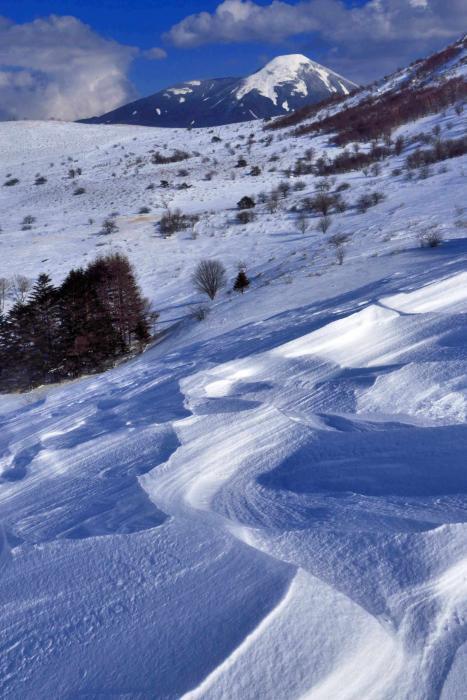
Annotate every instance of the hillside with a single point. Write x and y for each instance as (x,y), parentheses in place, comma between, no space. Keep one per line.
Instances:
(283,85)
(269,502)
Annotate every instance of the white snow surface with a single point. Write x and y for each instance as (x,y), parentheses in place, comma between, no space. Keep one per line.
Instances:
(270,503)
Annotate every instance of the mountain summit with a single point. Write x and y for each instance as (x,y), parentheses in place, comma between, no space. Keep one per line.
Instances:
(283,85)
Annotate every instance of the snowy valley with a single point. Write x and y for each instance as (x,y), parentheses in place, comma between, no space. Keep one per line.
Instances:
(271,500)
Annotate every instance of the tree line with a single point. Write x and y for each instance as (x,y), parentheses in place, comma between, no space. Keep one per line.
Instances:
(82,326)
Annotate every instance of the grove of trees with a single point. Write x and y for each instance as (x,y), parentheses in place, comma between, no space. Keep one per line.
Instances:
(96,315)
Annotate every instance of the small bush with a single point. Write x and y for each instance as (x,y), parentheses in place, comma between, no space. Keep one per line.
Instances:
(199,313)
(144,210)
(272,202)
(368,200)
(11,182)
(299,185)
(177,156)
(338,239)
(283,189)
(246,203)
(340,254)
(27,222)
(108,226)
(302,224)
(320,203)
(324,223)
(40,180)
(430,239)
(78,191)
(241,163)
(245,216)
(343,186)
(174,221)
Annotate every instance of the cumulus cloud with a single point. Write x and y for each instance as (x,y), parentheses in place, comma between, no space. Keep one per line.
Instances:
(155,54)
(244,20)
(389,29)
(58,67)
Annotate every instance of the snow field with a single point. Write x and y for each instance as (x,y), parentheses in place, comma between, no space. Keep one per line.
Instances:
(267,504)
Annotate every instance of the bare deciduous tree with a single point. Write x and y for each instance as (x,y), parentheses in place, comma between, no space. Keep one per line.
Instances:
(302,224)
(20,286)
(4,289)
(340,254)
(209,277)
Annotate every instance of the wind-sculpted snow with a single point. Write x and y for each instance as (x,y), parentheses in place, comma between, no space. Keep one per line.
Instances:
(296,542)
(367,510)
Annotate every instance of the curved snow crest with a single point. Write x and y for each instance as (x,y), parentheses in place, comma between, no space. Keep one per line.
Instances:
(308,604)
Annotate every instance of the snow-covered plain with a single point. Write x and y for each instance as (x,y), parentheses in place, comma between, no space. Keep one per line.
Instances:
(270,503)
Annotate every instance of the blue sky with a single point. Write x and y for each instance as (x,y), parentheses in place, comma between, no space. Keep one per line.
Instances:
(142,23)
(109,42)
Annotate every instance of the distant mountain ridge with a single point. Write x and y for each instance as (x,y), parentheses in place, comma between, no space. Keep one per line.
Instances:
(286,83)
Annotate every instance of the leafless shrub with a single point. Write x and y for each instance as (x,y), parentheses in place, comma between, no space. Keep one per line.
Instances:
(302,224)
(158,159)
(173,221)
(209,277)
(370,199)
(245,217)
(27,222)
(338,239)
(324,223)
(299,185)
(320,203)
(108,226)
(340,254)
(272,203)
(199,313)
(430,239)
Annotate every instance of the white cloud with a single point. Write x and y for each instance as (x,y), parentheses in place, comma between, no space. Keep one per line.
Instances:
(155,54)
(245,20)
(58,67)
(380,33)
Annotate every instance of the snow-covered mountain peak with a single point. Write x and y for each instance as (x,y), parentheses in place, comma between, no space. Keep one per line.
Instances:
(284,84)
(290,68)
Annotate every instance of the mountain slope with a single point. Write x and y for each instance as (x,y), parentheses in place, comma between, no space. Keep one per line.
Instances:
(283,85)
(270,503)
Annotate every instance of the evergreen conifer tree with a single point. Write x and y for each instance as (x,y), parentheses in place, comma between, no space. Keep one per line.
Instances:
(241,282)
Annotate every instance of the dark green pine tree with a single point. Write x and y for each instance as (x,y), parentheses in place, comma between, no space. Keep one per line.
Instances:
(45,329)
(241,282)
(88,338)
(17,338)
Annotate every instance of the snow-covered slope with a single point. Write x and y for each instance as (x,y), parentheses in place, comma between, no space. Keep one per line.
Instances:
(269,503)
(284,84)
